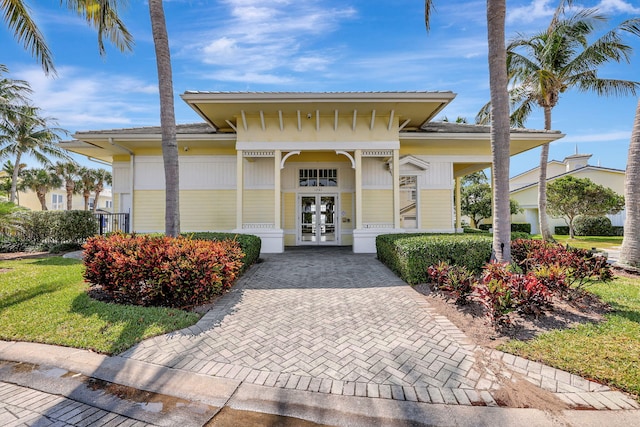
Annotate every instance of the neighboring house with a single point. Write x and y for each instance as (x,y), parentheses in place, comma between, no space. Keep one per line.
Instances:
(57,200)
(524,187)
(303,168)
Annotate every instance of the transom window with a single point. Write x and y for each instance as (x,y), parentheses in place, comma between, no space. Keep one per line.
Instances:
(318,178)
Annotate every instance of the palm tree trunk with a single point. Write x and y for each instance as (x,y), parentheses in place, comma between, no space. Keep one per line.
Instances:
(70,186)
(14,178)
(42,199)
(86,194)
(498,81)
(630,252)
(98,190)
(167,118)
(542,182)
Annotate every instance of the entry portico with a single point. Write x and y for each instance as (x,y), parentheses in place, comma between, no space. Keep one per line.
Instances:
(304,168)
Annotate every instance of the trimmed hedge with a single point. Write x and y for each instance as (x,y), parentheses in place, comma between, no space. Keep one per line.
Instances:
(522,227)
(561,230)
(617,230)
(409,255)
(161,271)
(249,243)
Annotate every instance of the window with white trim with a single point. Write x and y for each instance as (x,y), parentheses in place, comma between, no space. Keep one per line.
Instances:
(57,202)
(318,178)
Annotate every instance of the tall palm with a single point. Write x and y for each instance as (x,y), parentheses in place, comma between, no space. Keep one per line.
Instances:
(500,137)
(167,118)
(100,178)
(100,14)
(85,184)
(630,251)
(41,181)
(68,172)
(545,65)
(28,133)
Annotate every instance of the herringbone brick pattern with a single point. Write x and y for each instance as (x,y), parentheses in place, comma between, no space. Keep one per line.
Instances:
(330,321)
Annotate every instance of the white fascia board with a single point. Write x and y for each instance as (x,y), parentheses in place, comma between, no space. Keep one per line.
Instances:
(297,97)
(318,145)
(456,159)
(478,136)
(154,137)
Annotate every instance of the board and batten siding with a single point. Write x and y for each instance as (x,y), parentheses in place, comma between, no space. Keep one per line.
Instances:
(196,173)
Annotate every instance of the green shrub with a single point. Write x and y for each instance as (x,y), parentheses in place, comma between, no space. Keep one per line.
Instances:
(249,244)
(519,235)
(592,226)
(521,228)
(485,227)
(161,271)
(617,230)
(561,230)
(47,229)
(469,230)
(409,255)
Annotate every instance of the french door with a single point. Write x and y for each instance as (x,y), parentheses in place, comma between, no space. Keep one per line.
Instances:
(318,219)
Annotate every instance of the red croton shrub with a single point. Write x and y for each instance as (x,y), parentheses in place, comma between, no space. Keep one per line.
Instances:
(161,271)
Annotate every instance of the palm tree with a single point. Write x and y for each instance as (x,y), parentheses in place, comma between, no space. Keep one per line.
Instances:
(100,178)
(167,118)
(28,133)
(41,181)
(630,251)
(68,171)
(500,137)
(544,66)
(8,169)
(100,14)
(12,92)
(85,184)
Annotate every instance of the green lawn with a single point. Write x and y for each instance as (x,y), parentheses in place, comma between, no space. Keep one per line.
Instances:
(608,352)
(588,242)
(44,300)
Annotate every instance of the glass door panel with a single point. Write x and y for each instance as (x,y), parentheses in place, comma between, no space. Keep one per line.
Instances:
(308,219)
(318,219)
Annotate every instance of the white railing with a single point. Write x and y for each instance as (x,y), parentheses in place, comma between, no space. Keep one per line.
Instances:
(377,225)
(258,225)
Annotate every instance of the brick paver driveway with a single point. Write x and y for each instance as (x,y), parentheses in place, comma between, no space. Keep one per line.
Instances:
(327,320)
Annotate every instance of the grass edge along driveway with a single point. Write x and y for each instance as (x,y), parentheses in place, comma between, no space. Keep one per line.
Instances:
(607,352)
(45,301)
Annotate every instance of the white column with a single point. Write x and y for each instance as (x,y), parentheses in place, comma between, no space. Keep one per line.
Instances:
(458,205)
(358,172)
(239,188)
(396,189)
(277,190)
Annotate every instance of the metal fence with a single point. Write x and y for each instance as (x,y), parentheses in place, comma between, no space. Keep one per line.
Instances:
(111,222)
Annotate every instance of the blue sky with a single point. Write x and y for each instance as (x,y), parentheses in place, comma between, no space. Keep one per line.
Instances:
(302,45)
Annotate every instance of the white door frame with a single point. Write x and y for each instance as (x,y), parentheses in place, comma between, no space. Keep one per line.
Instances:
(318,232)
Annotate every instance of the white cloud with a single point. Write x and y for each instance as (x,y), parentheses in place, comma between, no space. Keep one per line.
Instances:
(271,38)
(535,10)
(81,99)
(613,6)
(598,137)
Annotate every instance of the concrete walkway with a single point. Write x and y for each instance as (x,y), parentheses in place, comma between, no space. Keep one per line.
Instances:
(330,321)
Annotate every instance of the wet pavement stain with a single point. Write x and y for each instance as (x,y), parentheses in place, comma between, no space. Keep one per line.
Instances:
(229,417)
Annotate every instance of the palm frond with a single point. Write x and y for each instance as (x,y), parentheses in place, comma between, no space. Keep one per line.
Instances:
(17,17)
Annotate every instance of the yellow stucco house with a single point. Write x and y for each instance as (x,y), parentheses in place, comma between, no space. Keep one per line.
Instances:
(303,168)
(524,187)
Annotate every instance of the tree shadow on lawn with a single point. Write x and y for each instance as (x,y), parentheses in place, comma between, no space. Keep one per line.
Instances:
(22,295)
(135,321)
